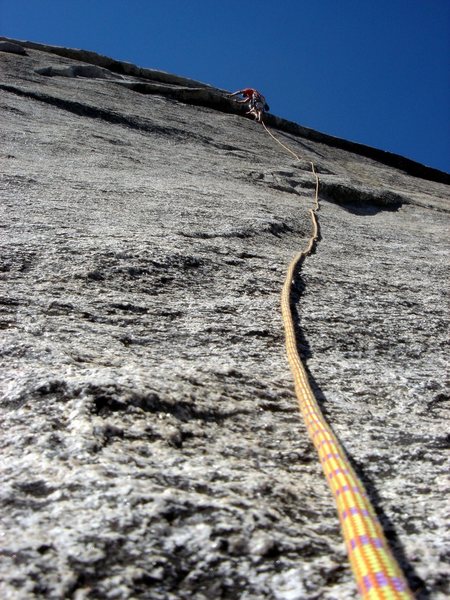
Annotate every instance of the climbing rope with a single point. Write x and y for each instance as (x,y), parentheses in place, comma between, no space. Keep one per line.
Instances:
(377,574)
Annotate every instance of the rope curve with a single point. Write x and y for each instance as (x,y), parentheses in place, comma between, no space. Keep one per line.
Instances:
(377,573)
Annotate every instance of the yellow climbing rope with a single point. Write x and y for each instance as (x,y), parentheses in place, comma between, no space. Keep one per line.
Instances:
(377,574)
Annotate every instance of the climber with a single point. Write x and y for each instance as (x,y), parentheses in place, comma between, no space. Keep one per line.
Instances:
(256,102)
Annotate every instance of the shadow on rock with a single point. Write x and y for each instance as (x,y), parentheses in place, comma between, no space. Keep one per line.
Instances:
(415,582)
(362,201)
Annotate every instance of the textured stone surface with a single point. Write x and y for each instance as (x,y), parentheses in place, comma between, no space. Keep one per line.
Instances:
(151,442)
(6,46)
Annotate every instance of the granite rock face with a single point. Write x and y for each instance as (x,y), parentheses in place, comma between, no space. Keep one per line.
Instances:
(11,47)
(151,443)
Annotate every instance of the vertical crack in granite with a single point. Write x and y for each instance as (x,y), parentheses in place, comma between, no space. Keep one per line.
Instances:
(151,442)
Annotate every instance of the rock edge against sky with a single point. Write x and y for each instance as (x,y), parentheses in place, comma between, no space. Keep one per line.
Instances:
(152,446)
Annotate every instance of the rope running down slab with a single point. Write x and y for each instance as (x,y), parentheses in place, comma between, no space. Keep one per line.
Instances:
(377,573)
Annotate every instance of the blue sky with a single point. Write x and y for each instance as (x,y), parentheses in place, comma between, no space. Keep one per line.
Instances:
(372,71)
